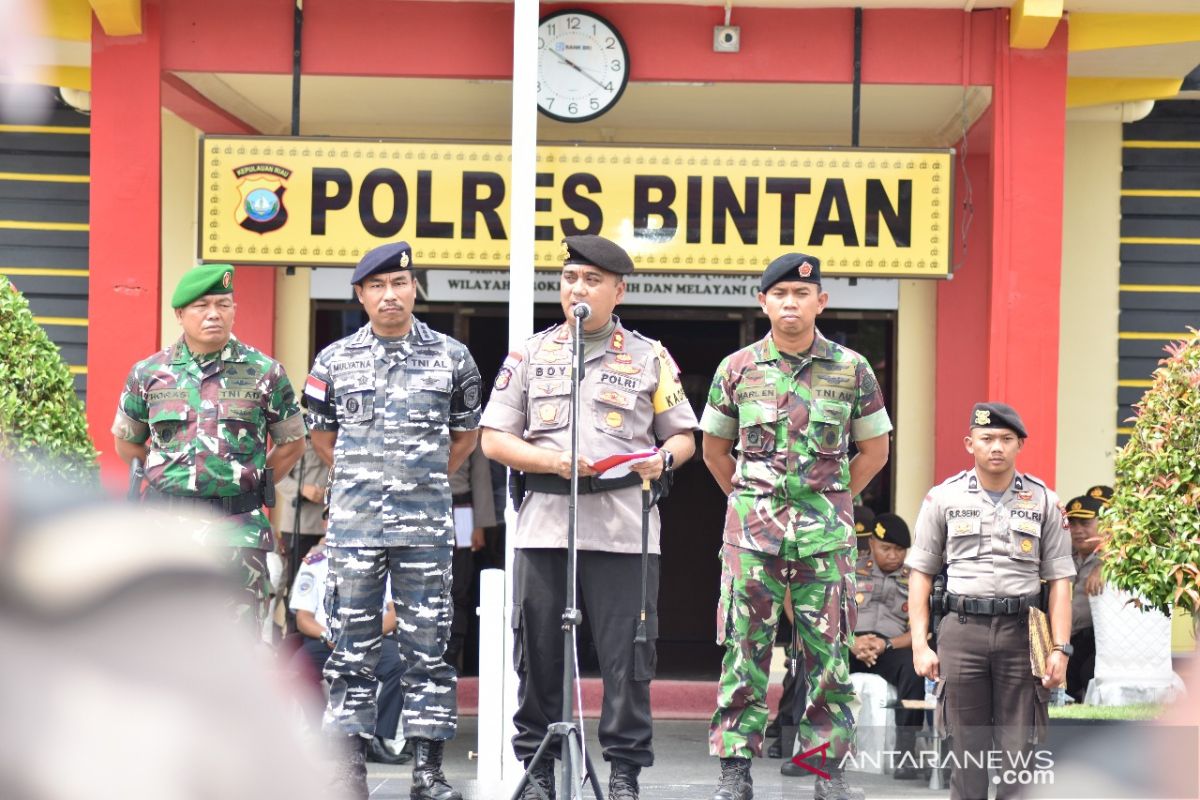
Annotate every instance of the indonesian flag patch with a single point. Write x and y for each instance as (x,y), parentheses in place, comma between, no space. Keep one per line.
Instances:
(317,389)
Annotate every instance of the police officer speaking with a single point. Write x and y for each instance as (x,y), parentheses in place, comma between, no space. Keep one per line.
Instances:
(792,402)
(394,407)
(197,414)
(630,398)
(999,533)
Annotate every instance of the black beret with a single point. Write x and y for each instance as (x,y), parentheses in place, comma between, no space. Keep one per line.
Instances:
(890,528)
(1100,492)
(791,267)
(864,521)
(1084,507)
(392,257)
(997,415)
(598,252)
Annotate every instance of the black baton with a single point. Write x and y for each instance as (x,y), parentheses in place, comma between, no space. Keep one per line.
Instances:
(640,636)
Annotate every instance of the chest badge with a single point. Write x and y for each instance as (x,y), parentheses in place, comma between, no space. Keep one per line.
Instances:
(614,419)
(624,369)
(548,413)
(623,358)
(352,405)
(1026,546)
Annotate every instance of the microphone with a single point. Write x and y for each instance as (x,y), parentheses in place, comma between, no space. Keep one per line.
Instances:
(581,311)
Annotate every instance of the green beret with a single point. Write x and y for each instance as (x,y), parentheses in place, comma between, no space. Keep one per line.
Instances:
(204,279)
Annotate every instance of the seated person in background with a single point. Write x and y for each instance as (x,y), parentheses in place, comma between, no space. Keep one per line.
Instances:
(1082,517)
(308,602)
(882,643)
(785,715)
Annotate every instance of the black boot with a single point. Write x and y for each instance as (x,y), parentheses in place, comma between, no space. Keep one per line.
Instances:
(907,766)
(350,766)
(623,780)
(735,782)
(379,753)
(835,787)
(541,773)
(428,782)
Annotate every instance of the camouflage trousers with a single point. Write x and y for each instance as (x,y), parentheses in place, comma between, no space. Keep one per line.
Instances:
(421,580)
(248,606)
(752,594)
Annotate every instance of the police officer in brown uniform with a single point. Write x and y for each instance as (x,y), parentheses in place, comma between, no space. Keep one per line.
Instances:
(882,642)
(1000,533)
(630,400)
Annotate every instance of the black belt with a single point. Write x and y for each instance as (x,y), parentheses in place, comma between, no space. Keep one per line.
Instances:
(991,606)
(463,499)
(237,504)
(552,484)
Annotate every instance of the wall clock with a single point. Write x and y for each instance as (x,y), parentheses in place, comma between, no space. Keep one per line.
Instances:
(583,65)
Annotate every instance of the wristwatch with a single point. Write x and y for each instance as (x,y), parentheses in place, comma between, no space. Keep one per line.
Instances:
(1066,649)
(887,645)
(668,459)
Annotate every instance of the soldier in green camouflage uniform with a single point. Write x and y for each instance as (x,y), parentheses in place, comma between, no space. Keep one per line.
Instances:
(198,413)
(791,402)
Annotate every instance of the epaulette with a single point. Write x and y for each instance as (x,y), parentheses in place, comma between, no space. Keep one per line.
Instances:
(954,478)
(655,343)
(1035,479)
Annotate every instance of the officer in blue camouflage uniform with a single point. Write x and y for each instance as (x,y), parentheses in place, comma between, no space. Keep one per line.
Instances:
(999,533)
(394,407)
(197,415)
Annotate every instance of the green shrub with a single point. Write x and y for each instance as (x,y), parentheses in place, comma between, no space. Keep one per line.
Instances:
(1153,522)
(43,429)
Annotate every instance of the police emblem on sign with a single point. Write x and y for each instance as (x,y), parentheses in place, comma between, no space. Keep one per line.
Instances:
(261,188)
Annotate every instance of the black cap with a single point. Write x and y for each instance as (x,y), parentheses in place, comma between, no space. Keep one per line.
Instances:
(890,528)
(864,521)
(393,257)
(1084,507)
(791,267)
(997,415)
(1100,492)
(598,252)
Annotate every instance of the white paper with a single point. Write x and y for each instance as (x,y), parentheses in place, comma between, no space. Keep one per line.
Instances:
(464,525)
(625,467)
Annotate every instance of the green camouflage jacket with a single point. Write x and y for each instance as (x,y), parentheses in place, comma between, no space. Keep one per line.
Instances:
(792,424)
(206,421)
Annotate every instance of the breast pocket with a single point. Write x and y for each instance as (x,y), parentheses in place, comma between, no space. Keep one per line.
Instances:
(169,428)
(549,405)
(355,404)
(962,538)
(827,427)
(240,426)
(1025,540)
(612,412)
(756,428)
(429,396)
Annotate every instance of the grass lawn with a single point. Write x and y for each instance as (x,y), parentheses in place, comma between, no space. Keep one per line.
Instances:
(1083,712)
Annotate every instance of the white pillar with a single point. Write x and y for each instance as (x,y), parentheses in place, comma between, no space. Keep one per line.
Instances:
(498,769)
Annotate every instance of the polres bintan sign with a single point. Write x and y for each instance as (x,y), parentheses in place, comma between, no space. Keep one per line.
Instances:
(325,202)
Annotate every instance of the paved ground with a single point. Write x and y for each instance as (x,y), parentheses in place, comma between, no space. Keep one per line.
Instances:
(684,770)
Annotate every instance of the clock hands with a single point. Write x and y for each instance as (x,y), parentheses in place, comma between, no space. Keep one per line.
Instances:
(578,69)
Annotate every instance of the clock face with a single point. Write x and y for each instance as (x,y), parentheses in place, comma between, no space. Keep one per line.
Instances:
(583,66)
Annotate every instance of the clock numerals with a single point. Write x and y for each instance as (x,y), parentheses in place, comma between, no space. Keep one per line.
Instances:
(610,43)
(574,23)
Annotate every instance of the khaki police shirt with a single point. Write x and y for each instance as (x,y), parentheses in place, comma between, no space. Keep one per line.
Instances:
(630,400)
(992,549)
(1081,607)
(882,599)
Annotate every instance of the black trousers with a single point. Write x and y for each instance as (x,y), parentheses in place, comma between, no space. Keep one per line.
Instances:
(1081,668)
(310,659)
(610,594)
(896,667)
(462,568)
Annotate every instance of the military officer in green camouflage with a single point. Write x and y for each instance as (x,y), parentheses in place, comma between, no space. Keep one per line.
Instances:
(791,402)
(197,414)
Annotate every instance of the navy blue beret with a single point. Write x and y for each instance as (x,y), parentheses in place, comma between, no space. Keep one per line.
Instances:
(597,252)
(791,267)
(997,415)
(392,257)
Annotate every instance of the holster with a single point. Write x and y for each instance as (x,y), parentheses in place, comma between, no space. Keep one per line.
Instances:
(267,487)
(937,603)
(516,487)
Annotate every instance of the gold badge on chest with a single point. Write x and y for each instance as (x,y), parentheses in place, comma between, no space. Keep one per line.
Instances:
(548,413)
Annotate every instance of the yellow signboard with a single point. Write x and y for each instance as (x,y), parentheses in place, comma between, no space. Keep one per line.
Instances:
(325,202)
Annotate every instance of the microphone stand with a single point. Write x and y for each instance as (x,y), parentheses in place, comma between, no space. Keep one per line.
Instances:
(574,756)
